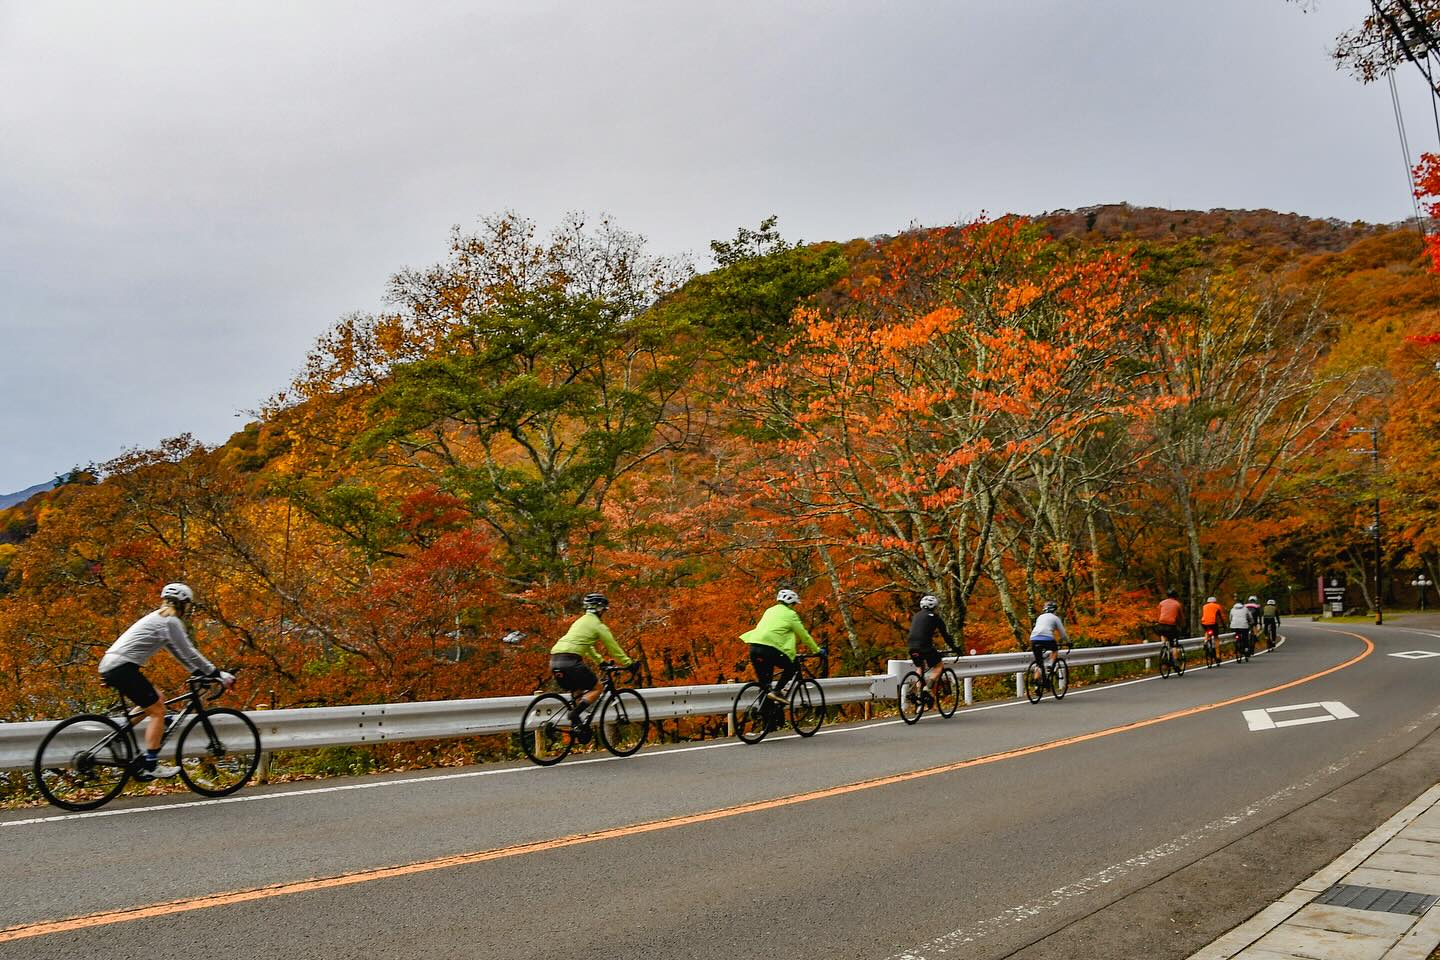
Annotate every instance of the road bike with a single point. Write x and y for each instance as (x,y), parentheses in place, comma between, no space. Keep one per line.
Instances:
(85,761)
(1055,677)
(1212,647)
(1244,645)
(556,723)
(1172,658)
(1271,633)
(916,697)
(755,715)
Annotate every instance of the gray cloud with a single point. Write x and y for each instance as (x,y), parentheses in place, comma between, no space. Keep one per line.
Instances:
(190,192)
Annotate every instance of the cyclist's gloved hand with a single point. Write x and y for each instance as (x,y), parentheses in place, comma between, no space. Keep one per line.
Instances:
(824,650)
(227,680)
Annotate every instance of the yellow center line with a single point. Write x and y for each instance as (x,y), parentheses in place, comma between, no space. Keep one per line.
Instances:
(45,928)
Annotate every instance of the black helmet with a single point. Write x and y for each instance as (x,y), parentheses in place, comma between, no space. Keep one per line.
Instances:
(1051,606)
(595,602)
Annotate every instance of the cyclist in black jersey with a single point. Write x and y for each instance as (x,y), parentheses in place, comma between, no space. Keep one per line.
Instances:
(923,627)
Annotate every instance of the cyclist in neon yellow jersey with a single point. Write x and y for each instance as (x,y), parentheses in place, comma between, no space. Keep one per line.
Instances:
(772,643)
(581,640)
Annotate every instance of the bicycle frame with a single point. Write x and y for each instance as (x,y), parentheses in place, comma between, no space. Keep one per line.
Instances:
(194,702)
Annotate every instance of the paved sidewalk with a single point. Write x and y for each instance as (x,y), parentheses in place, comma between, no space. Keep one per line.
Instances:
(1376,902)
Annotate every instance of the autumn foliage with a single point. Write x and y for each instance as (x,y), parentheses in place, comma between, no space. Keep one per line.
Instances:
(1090,408)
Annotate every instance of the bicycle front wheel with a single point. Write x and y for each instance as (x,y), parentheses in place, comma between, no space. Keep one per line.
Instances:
(624,722)
(218,752)
(1060,680)
(546,734)
(751,717)
(911,703)
(1034,683)
(947,693)
(1166,665)
(83,762)
(807,707)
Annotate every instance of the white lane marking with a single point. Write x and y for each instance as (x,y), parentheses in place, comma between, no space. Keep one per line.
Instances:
(1423,633)
(493,772)
(956,941)
(1265,719)
(1415,655)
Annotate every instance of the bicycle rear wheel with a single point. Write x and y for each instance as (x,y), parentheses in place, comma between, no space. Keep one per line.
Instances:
(624,722)
(752,720)
(1034,683)
(218,752)
(947,693)
(546,734)
(807,707)
(1179,661)
(912,706)
(83,762)
(1060,679)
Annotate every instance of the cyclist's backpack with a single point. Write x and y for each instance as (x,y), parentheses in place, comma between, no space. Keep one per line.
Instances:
(1271,611)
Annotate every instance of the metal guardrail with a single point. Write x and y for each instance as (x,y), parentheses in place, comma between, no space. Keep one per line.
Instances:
(313,727)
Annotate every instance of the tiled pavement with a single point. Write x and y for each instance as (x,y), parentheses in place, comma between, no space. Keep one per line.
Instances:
(1376,902)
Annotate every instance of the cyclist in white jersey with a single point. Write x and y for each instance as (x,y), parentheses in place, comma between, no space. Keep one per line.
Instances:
(120,667)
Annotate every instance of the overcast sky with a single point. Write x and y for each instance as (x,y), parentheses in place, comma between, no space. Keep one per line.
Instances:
(190,192)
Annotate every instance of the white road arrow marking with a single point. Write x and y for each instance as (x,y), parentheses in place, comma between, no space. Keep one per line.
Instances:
(1265,719)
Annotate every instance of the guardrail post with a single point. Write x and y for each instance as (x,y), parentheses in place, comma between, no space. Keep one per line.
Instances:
(262,775)
(1019,684)
(969,690)
(730,717)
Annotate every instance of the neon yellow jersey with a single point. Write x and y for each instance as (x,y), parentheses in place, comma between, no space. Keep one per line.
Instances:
(583,637)
(780,627)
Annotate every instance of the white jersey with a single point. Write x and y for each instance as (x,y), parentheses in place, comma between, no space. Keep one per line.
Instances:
(1049,627)
(147,635)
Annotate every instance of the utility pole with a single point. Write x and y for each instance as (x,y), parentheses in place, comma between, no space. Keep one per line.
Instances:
(1374,454)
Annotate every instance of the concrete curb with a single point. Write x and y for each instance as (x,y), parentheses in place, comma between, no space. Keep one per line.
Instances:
(1290,925)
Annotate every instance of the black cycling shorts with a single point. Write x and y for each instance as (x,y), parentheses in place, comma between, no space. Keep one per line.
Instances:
(1039,646)
(1167,631)
(926,659)
(571,672)
(131,684)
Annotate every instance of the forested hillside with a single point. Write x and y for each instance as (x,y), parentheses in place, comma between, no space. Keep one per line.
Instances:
(1091,407)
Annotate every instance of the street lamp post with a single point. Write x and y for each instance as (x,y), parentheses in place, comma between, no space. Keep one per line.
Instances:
(1374,454)
(1422,582)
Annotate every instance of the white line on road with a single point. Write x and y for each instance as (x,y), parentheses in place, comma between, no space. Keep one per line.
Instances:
(1265,719)
(954,942)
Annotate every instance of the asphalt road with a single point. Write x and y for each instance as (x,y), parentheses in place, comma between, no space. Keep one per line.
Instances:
(1137,818)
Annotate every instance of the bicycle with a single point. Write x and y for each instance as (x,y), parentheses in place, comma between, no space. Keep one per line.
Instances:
(1272,632)
(915,698)
(1172,658)
(548,733)
(1244,645)
(1056,677)
(1212,647)
(85,761)
(755,715)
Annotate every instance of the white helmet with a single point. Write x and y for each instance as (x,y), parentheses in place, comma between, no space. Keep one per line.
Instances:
(1253,599)
(1211,600)
(928,602)
(177,593)
(788,597)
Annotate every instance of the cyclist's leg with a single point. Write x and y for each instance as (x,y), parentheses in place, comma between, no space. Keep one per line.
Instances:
(928,662)
(761,660)
(576,679)
(788,669)
(130,683)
